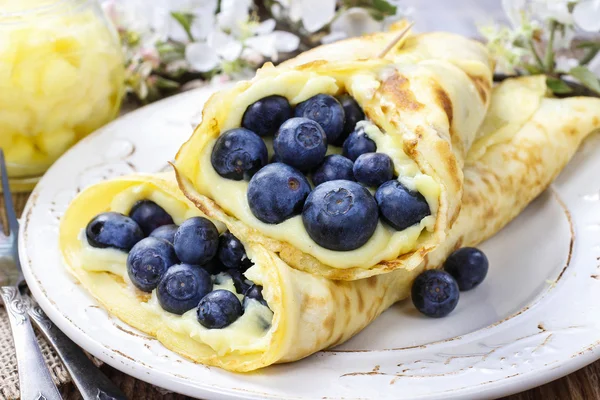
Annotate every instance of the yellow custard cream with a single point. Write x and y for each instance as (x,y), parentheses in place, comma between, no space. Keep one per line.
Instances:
(61,78)
(386,243)
(249,333)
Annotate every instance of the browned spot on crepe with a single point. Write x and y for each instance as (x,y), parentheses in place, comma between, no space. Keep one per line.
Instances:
(444,101)
(361,302)
(482,86)
(372,281)
(399,88)
(328,324)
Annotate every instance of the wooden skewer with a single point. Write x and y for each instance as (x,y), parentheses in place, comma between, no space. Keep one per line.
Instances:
(399,37)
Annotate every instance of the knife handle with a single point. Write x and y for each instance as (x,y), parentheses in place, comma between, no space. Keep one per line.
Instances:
(91,382)
(35,381)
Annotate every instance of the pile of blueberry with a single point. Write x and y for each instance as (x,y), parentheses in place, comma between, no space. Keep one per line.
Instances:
(435,292)
(340,213)
(178,261)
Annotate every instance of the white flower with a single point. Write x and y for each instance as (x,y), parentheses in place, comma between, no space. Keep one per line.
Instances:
(203,12)
(557,10)
(586,15)
(564,64)
(271,44)
(252,56)
(225,46)
(201,57)
(314,14)
(233,13)
(514,10)
(353,22)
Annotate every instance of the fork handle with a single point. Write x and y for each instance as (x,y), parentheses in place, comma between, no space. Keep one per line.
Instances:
(35,381)
(91,382)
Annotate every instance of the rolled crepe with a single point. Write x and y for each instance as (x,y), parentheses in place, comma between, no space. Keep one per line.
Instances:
(526,139)
(424,101)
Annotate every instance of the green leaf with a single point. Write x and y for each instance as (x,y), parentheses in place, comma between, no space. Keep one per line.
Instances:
(586,77)
(588,45)
(163,83)
(185,20)
(558,86)
(532,69)
(384,7)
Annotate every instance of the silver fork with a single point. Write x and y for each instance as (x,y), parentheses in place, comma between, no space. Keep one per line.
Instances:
(35,381)
(34,377)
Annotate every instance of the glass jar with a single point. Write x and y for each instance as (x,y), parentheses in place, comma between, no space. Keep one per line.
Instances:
(61,78)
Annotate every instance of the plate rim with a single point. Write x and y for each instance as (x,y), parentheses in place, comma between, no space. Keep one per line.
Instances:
(499,387)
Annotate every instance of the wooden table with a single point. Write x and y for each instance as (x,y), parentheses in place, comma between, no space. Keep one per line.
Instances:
(581,385)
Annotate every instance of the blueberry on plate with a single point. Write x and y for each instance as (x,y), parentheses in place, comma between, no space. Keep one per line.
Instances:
(400,207)
(231,252)
(266,115)
(115,230)
(165,232)
(435,293)
(358,143)
(340,215)
(325,110)
(196,241)
(373,169)
(332,168)
(149,216)
(300,143)
(182,287)
(238,154)
(219,309)
(277,192)
(353,114)
(148,261)
(468,266)
(254,292)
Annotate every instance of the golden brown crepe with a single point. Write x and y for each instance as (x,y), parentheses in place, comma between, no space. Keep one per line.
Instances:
(522,147)
(425,100)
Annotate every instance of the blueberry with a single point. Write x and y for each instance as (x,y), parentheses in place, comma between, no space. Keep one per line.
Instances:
(238,154)
(301,143)
(332,168)
(231,252)
(277,192)
(435,293)
(254,292)
(240,282)
(358,143)
(468,266)
(196,241)
(325,110)
(353,114)
(219,309)
(373,169)
(213,267)
(266,115)
(149,216)
(148,261)
(112,229)
(165,232)
(340,215)
(400,207)
(182,287)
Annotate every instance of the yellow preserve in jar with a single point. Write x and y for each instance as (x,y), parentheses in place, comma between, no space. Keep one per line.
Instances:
(61,77)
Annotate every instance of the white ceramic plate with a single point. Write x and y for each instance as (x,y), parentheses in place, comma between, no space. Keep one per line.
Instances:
(534,319)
